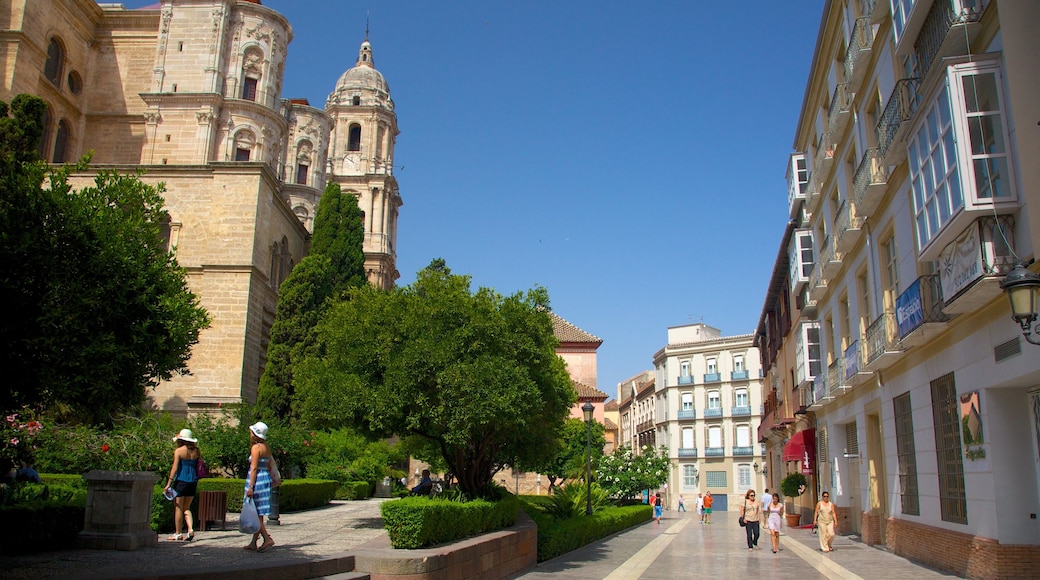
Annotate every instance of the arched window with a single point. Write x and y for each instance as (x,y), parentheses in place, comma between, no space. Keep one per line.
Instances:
(244,143)
(354,141)
(61,143)
(356,101)
(252,64)
(55,62)
(303,161)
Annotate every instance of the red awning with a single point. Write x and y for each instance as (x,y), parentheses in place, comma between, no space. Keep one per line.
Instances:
(801,446)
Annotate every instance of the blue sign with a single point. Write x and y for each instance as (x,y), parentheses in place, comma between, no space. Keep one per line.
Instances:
(851,360)
(909,309)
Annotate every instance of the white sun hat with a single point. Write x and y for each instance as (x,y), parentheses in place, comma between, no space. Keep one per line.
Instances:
(259,429)
(186,435)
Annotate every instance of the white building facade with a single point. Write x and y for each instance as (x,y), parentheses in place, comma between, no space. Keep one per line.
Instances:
(708,404)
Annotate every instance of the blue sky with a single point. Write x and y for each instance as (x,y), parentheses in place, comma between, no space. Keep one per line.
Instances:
(627,156)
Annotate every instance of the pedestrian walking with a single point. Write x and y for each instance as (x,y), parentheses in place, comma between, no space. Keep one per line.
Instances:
(823,518)
(767,498)
(708,501)
(752,513)
(682,504)
(658,508)
(700,507)
(258,483)
(775,520)
(183,482)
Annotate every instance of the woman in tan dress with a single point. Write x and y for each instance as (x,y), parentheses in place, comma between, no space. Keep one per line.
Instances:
(752,519)
(824,520)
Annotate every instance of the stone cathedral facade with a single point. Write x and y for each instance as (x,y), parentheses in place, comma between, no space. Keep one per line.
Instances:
(191,92)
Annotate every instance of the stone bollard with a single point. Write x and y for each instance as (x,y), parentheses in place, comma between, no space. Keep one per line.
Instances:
(119,511)
(274,518)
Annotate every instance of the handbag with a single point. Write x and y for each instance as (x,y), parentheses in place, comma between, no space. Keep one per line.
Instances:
(276,476)
(249,521)
(202,470)
(742,522)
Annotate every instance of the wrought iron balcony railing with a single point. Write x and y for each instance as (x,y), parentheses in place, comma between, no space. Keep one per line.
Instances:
(744,451)
(938,25)
(838,113)
(882,341)
(817,283)
(688,452)
(739,376)
(741,411)
(687,414)
(891,128)
(836,377)
(830,257)
(848,225)
(869,182)
(918,309)
(712,377)
(715,452)
(857,52)
(713,413)
(686,380)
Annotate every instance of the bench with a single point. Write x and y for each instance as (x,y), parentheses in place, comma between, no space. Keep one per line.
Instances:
(212,508)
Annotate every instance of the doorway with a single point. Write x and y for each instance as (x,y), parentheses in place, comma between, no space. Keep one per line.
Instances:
(876,480)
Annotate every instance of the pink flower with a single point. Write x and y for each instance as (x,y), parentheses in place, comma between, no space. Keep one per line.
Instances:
(12,418)
(14,441)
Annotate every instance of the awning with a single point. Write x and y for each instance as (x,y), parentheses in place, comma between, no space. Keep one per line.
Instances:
(801,447)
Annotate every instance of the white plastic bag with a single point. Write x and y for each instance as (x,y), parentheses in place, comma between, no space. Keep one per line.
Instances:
(249,521)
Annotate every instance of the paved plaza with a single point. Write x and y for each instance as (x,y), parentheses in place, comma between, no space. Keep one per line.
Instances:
(677,547)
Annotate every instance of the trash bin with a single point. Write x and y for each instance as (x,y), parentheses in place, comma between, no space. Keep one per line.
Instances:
(212,508)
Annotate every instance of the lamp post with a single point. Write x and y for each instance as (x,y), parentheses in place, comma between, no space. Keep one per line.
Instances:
(587,409)
(1023,291)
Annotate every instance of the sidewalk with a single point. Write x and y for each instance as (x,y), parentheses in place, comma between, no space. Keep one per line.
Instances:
(307,544)
(680,547)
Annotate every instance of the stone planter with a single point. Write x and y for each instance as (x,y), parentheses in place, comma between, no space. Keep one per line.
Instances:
(119,510)
(793,519)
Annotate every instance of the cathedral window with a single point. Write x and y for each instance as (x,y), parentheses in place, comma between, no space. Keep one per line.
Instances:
(249,89)
(61,143)
(45,138)
(356,101)
(354,141)
(301,174)
(55,62)
(244,143)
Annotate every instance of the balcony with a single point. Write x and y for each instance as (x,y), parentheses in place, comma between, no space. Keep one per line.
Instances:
(797,183)
(857,55)
(715,452)
(895,121)
(883,342)
(839,111)
(821,393)
(741,411)
(869,183)
(948,30)
(976,263)
(686,415)
(807,398)
(855,361)
(645,426)
(715,413)
(812,195)
(830,258)
(848,227)
(713,377)
(686,380)
(743,451)
(688,452)
(919,313)
(817,283)
(836,378)
(824,160)
(876,9)
(738,376)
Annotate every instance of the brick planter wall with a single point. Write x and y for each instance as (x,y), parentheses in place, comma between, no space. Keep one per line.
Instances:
(961,554)
(871,524)
(493,556)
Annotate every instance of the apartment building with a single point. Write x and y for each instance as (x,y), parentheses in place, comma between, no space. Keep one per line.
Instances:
(707,402)
(891,358)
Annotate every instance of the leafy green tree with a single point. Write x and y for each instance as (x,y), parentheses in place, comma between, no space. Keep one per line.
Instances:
(339,233)
(471,377)
(624,474)
(336,263)
(97,308)
(301,301)
(569,460)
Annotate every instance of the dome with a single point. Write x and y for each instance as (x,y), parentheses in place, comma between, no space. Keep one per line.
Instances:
(362,84)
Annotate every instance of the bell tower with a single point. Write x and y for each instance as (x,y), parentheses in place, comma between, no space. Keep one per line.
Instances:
(361,159)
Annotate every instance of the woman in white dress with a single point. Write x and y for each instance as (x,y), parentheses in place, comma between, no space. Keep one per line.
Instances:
(775,521)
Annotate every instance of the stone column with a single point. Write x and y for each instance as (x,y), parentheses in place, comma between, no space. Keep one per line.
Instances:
(119,510)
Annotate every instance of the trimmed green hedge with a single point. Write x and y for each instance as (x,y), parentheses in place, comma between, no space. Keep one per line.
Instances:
(557,537)
(418,522)
(355,490)
(38,527)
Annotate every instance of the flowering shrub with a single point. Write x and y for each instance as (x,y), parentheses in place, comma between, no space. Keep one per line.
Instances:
(624,474)
(18,435)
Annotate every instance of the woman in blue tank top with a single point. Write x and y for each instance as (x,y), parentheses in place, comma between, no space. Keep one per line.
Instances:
(184,478)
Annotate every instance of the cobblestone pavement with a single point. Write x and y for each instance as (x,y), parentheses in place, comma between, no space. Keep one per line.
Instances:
(680,547)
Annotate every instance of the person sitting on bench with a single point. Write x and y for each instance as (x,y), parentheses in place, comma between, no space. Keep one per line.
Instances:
(425,484)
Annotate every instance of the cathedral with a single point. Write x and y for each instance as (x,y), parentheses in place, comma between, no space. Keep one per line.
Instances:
(190,91)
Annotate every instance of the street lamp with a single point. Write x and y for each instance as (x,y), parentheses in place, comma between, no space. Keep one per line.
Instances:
(1023,291)
(587,409)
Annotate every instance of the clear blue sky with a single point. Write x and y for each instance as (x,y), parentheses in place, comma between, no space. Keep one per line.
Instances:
(627,156)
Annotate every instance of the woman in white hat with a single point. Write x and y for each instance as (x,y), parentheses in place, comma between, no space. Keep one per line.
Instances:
(184,478)
(258,483)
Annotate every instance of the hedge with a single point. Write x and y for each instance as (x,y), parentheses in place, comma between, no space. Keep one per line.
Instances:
(355,490)
(40,526)
(557,537)
(418,522)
